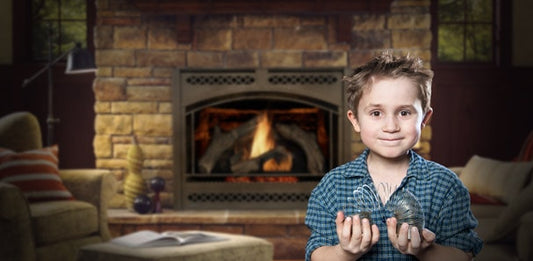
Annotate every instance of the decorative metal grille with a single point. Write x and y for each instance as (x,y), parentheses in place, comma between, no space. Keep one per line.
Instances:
(248,197)
(302,79)
(219,79)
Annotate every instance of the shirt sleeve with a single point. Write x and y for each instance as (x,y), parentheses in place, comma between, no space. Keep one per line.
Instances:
(320,218)
(456,223)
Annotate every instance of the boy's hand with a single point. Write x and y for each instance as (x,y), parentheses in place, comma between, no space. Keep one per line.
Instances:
(356,236)
(413,246)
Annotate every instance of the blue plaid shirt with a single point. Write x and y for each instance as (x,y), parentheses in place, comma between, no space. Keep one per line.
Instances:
(444,200)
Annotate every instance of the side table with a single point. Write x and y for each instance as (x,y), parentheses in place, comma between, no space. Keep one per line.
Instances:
(236,248)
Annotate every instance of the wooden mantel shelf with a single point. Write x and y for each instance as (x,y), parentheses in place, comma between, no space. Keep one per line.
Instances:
(200,7)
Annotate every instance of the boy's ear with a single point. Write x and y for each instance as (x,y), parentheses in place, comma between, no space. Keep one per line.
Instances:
(427,117)
(353,120)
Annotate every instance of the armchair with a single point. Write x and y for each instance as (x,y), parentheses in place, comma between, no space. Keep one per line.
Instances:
(56,229)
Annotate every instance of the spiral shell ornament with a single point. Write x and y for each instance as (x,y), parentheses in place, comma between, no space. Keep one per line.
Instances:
(134,184)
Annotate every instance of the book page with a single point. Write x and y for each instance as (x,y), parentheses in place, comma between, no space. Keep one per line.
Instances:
(147,238)
(192,237)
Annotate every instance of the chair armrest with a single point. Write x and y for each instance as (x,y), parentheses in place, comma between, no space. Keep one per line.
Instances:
(524,238)
(95,186)
(16,237)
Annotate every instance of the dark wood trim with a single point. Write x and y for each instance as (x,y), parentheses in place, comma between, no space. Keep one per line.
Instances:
(199,7)
(184,11)
(344,24)
(184,28)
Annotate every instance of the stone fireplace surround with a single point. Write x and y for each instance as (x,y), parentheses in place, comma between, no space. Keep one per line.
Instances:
(138,50)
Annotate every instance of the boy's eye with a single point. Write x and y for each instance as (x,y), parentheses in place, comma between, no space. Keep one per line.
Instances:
(405,113)
(375,113)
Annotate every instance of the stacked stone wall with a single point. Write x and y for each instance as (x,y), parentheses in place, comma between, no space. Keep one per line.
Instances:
(136,55)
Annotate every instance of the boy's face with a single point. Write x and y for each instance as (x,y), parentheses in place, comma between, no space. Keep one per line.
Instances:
(390,117)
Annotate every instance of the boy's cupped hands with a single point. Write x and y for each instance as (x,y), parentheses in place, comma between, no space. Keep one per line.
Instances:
(357,236)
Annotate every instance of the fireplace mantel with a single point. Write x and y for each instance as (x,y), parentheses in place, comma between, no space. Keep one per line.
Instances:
(317,7)
(184,11)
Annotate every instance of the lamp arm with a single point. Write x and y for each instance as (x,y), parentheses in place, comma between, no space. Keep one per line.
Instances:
(46,67)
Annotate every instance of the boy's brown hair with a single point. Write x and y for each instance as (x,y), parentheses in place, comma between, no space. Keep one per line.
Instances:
(387,65)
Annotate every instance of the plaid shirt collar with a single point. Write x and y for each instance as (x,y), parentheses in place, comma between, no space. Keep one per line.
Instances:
(417,166)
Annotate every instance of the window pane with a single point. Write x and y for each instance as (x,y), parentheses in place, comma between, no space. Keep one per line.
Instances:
(451,10)
(73,32)
(42,9)
(73,9)
(41,34)
(479,43)
(68,23)
(451,39)
(480,11)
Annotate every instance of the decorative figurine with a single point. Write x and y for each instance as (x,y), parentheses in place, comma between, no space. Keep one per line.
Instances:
(142,204)
(157,184)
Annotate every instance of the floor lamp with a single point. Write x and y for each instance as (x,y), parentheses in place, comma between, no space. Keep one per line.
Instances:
(78,61)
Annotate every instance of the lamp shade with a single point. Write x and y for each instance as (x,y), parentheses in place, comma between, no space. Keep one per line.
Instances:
(80,61)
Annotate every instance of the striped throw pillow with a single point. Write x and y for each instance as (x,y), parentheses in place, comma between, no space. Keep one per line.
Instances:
(35,172)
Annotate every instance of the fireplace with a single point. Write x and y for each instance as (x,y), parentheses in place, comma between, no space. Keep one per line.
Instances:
(256,139)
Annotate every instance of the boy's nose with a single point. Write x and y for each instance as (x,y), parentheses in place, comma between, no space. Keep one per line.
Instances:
(391,124)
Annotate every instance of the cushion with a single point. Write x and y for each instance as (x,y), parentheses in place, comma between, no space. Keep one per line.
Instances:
(35,172)
(501,180)
(508,221)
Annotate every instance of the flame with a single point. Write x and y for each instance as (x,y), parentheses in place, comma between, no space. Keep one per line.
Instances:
(263,142)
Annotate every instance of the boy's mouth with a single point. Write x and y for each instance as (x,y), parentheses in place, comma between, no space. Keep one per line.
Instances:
(390,141)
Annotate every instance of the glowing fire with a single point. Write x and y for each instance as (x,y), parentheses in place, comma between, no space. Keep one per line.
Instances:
(263,142)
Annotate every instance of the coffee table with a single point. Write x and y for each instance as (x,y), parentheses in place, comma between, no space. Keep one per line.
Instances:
(237,247)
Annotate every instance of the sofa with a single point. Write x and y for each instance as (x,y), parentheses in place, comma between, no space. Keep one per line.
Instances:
(502,201)
(46,213)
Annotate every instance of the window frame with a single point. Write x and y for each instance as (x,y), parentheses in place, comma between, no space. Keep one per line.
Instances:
(500,38)
(22,41)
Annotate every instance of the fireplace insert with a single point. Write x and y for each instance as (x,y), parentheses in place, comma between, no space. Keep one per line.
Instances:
(257,138)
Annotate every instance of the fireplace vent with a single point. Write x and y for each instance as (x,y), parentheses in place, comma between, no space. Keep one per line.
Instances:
(248,197)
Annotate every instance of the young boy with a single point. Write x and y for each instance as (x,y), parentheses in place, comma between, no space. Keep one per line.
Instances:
(389,104)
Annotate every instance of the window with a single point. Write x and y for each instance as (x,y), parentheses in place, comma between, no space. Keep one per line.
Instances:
(466,31)
(63,22)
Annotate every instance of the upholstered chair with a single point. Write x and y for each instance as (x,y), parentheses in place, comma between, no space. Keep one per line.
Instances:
(47,228)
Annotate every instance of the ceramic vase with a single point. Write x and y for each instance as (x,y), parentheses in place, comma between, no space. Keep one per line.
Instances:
(134,184)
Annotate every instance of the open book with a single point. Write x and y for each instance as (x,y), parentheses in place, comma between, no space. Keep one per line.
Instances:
(148,238)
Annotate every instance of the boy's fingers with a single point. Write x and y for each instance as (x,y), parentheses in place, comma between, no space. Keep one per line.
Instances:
(375,234)
(366,235)
(340,218)
(428,236)
(347,228)
(339,221)
(391,230)
(415,238)
(403,239)
(356,231)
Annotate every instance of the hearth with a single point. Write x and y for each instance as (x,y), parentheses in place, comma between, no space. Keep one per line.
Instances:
(257,138)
